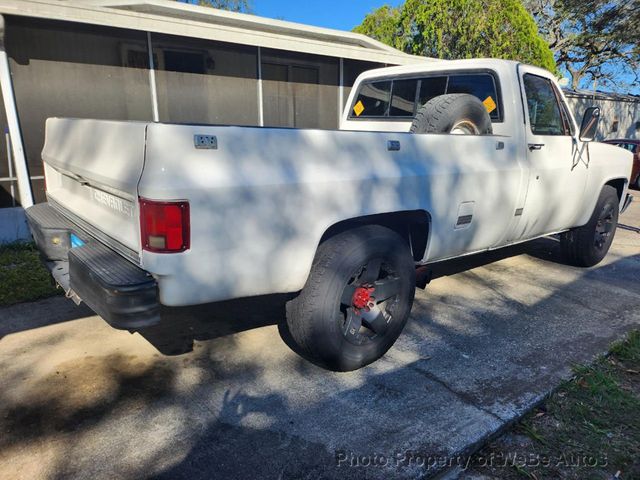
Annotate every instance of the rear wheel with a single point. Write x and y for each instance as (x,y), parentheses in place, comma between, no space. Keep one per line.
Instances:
(356,300)
(587,245)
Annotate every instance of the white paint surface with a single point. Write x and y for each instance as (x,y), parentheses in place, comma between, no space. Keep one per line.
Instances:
(262,200)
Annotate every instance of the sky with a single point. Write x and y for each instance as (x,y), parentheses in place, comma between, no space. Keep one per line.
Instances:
(342,15)
(346,14)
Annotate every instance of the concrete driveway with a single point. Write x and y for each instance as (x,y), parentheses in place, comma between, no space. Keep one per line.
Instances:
(489,337)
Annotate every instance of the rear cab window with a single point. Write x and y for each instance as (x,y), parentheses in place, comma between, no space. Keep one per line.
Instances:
(400,98)
(481,86)
(373,99)
(431,87)
(403,98)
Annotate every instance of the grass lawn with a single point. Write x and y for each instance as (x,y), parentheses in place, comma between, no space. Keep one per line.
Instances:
(588,429)
(22,277)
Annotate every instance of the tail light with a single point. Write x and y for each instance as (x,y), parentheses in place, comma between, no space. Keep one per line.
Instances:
(164,226)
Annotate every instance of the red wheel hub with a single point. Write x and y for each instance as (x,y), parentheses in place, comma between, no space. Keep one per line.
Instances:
(362,297)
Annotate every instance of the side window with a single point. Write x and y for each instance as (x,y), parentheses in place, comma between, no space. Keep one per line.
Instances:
(403,97)
(431,87)
(481,86)
(567,118)
(373,100)
(544,112)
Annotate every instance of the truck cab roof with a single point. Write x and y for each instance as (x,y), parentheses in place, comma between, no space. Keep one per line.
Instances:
(440,66)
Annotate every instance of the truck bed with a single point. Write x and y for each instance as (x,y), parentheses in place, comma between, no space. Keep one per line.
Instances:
(262,198)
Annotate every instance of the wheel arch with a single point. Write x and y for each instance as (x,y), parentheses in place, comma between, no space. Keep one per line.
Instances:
(593,191)
(619,184)
(414,226)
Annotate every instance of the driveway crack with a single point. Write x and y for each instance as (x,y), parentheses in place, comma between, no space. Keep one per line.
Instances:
(465,397)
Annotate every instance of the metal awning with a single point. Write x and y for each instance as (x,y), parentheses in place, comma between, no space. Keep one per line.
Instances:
(177,18)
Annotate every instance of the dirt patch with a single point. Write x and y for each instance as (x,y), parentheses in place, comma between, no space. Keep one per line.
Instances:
(79,393)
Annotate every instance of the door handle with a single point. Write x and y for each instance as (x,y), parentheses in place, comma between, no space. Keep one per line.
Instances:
(535,146)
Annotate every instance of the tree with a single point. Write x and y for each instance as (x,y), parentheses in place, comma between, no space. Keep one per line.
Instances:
(382,24)
(592,39)
(233,5)
(460,29)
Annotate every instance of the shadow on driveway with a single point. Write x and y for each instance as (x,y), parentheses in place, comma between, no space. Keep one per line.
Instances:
(182,326)
(491,336)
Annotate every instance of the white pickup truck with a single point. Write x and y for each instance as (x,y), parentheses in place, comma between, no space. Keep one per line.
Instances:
(143,214)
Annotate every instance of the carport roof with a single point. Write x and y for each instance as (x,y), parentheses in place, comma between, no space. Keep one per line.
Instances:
(177,18)
(600,95)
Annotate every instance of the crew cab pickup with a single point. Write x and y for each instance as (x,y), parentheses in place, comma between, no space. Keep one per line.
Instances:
(431,162)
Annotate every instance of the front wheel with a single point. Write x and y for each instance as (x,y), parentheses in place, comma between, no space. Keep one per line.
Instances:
(587,245)
(356,300)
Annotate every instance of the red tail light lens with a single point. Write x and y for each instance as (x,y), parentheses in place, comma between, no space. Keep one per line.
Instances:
(164,226)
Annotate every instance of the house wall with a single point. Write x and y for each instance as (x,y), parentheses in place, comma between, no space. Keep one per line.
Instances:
(200,81)
(70,70)
(618,119)
(66,69)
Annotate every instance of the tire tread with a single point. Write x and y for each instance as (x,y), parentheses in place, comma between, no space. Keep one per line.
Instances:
(302,311)
(577,243)
(429,117)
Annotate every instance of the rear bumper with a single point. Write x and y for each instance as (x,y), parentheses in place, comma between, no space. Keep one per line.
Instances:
(119,291)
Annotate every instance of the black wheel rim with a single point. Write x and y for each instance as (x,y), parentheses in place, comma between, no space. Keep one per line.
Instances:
(604,227)
(368,302)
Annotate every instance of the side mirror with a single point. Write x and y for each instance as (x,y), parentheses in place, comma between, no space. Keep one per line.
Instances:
(589,125)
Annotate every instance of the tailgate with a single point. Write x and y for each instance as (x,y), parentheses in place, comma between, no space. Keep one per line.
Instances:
(92,170)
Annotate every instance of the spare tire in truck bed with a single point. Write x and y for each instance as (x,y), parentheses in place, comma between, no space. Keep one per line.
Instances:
(457,113)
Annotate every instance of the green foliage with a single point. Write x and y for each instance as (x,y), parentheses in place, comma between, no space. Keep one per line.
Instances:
(454,29)
(23,278)
(381,24)
(592,39)
(628,350)
(594,416)
(232,5)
